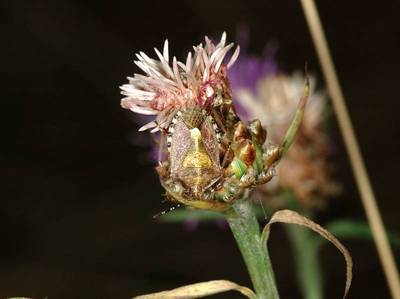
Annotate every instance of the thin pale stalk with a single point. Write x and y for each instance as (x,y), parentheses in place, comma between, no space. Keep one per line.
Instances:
(352,147)
(246,230)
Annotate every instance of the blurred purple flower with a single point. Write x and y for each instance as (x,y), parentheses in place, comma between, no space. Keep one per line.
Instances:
(249,69)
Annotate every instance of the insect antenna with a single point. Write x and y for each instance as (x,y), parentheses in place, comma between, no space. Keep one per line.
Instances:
(166,211)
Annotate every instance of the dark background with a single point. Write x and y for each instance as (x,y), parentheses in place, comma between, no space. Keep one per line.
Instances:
(77,197)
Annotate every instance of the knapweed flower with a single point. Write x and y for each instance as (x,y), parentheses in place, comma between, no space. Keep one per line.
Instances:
(272,97)
(169,87)
(212,157)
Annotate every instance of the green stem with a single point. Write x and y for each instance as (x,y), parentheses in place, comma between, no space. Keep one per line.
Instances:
(246,230)
(305,251)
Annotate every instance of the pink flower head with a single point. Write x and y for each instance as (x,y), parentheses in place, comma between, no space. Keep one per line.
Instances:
(166,87)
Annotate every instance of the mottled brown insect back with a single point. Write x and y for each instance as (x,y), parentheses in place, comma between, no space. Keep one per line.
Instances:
(194,154)
(193,117)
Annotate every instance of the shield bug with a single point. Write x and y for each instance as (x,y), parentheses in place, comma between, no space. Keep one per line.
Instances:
(193,168)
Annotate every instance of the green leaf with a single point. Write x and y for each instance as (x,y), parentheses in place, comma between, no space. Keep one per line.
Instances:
(347,228)
(296,122)
(185,214)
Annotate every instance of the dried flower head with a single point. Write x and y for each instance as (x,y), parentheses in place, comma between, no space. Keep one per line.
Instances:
(212,157)
(273,99)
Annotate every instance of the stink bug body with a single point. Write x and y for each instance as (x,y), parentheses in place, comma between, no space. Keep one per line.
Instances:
(193,168)
(194,151)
